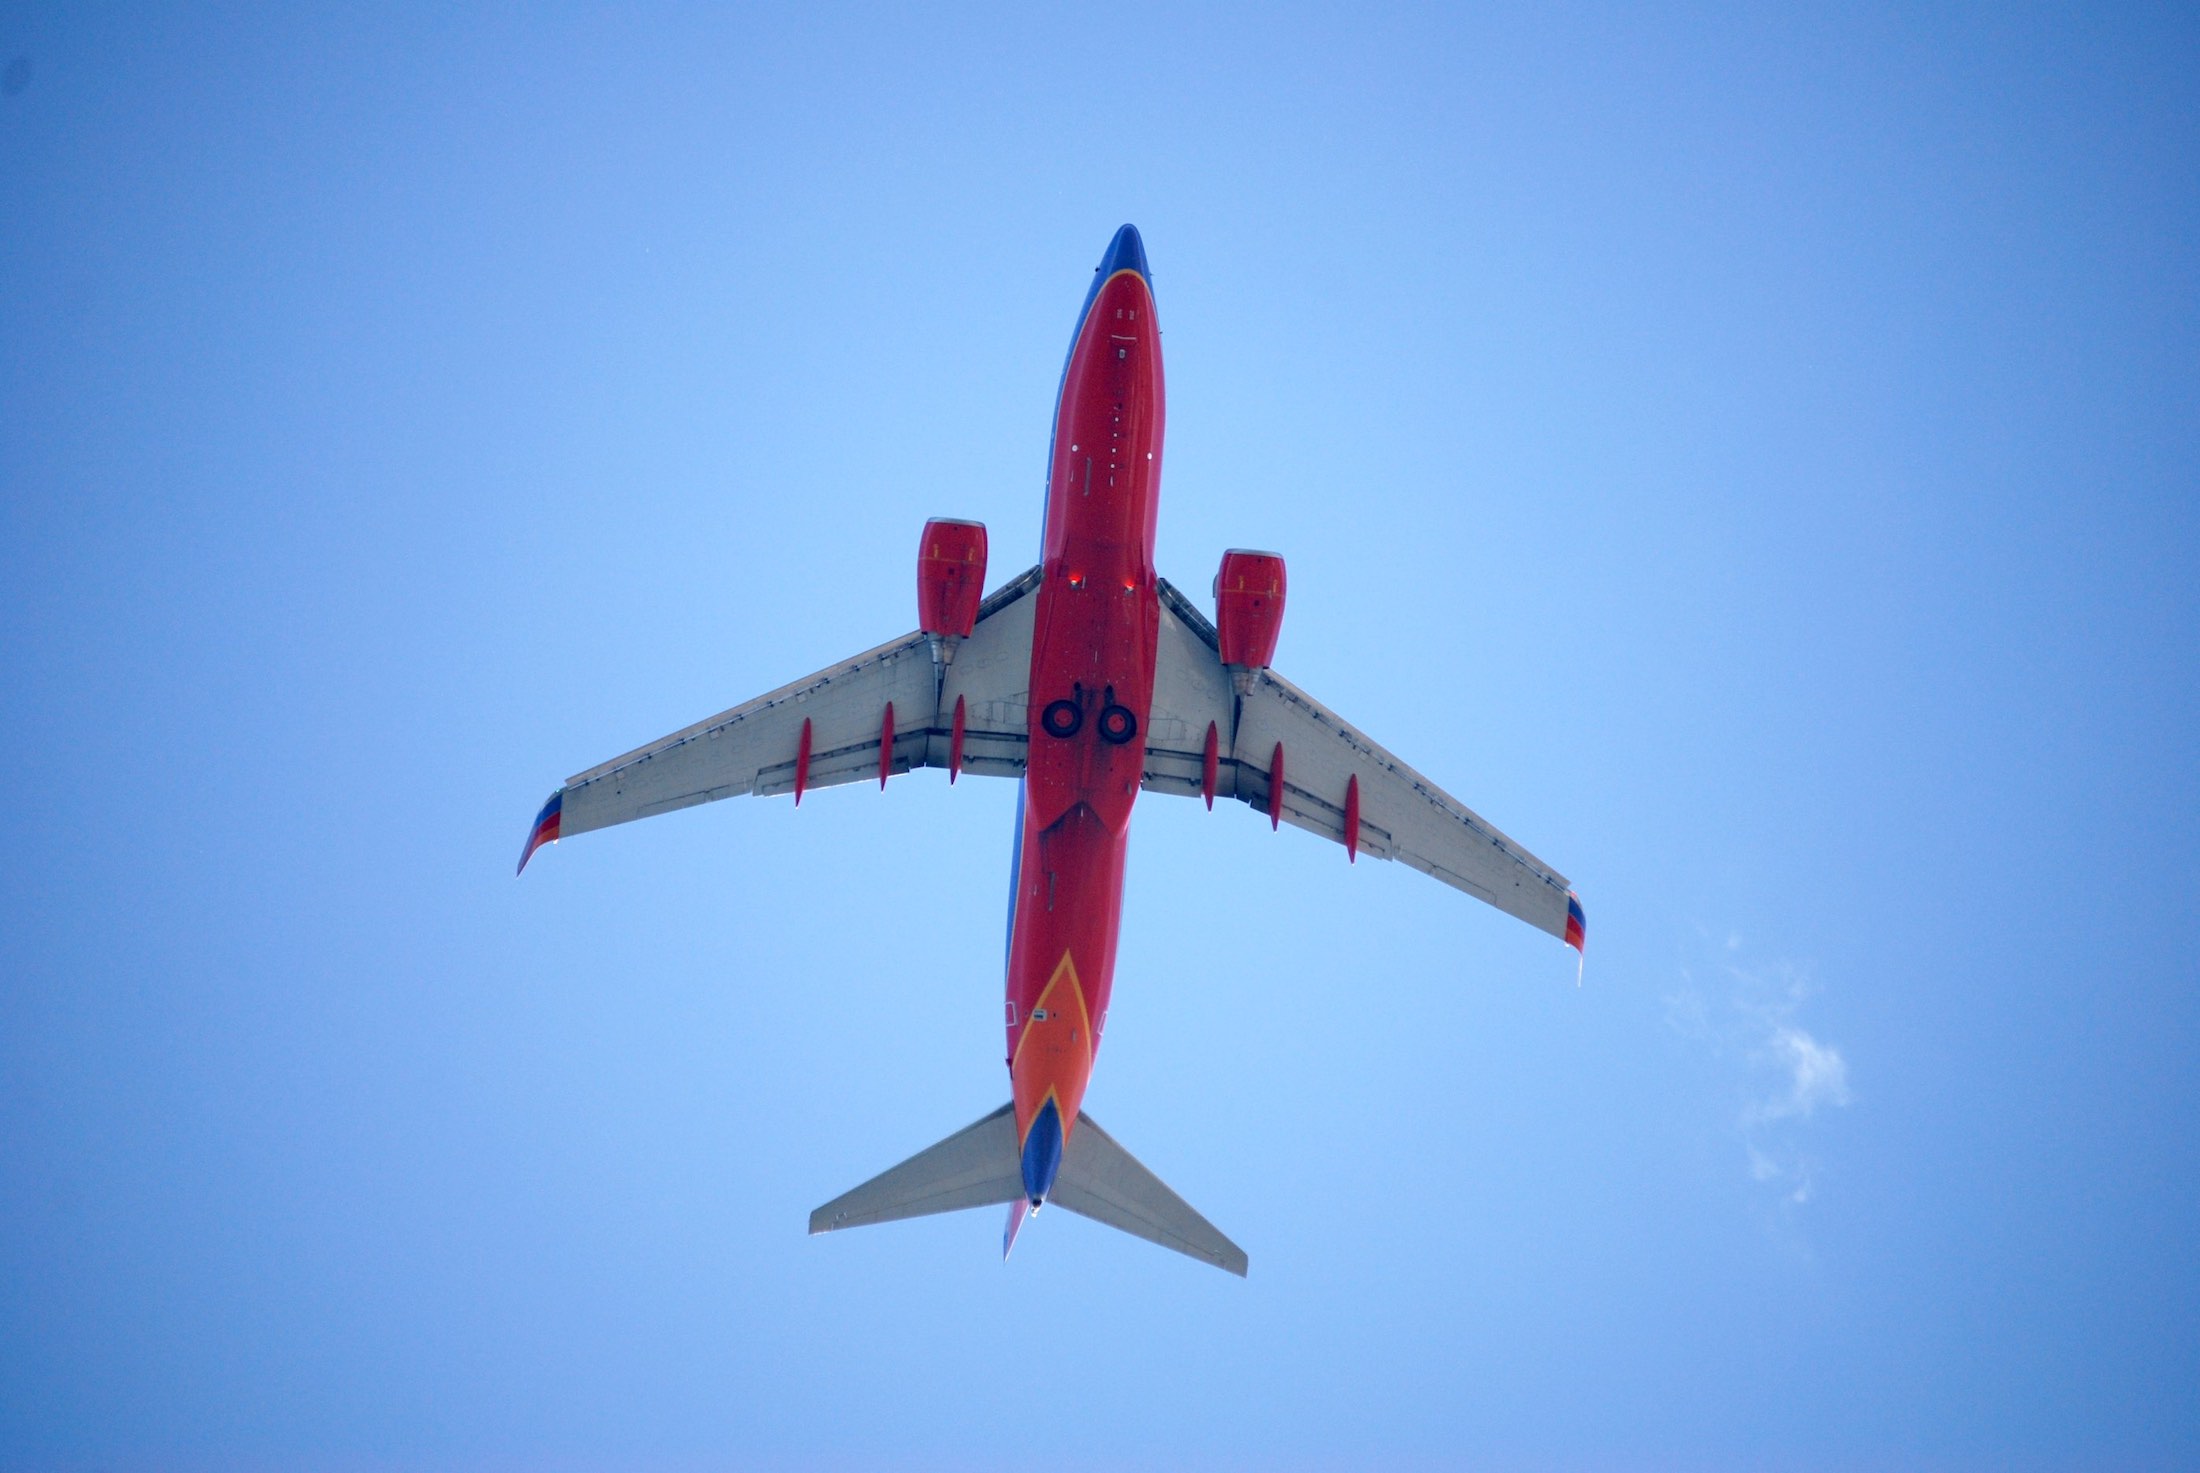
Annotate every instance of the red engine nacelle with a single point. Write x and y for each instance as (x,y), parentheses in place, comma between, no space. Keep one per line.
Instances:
(950,577)
(1249,607)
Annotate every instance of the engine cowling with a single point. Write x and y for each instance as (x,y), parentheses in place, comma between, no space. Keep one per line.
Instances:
(950,577)
(1249,591)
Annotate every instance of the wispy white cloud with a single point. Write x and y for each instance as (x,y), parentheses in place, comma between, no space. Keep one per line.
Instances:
(1749,1014)
(1814,1074)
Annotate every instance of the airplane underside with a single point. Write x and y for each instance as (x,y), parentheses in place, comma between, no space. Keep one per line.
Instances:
(1089,679)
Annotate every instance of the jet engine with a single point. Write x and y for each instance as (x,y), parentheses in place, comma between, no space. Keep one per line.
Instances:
(950,577)
(1249,607)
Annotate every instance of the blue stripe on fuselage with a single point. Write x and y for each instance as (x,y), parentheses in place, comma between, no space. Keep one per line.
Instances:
(1125,253)
(1042,1152)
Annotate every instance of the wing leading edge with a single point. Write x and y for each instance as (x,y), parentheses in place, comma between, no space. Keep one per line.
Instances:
(887,710)
(1281,751)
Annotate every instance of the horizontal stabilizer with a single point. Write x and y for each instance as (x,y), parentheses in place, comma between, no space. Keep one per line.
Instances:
(977,1166)
(1102,1181)
(981,1166)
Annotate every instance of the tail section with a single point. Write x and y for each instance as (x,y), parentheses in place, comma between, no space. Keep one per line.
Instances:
(983,1165)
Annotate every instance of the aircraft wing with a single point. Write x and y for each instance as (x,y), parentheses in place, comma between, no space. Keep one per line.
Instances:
(899,699)
(1328,768)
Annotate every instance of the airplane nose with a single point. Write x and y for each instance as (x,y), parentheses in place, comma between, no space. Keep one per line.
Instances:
(1042,1153)
(1125,253)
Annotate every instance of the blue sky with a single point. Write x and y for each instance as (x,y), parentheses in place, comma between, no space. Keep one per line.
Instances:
(1751,459)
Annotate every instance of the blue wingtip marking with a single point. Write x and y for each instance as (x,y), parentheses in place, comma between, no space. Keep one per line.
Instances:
(544,830)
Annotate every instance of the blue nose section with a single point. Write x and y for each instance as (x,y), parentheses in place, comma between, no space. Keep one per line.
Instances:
(1042,1153)
(1125,253)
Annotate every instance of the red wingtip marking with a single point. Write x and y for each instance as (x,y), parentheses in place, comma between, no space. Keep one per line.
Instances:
(955,745)
(1208,765)
(1275,788)
(536,841)
(802,763)
(886,745)
(545,830)
(1352,820)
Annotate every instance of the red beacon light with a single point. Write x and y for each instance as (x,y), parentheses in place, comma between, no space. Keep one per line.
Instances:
(950,578)
(1249,592)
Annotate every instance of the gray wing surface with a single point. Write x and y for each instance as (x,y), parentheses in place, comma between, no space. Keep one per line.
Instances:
(753,748)
(1403,815)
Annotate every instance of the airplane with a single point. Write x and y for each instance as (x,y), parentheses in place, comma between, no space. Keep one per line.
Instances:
(1090,679)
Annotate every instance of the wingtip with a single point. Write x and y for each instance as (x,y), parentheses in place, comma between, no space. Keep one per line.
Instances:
(1577,934)
(544,830)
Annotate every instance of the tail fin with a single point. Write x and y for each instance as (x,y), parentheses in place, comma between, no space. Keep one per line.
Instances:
(979,1166)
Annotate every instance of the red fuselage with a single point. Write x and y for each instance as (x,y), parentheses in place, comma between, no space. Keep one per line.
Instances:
(1092,674)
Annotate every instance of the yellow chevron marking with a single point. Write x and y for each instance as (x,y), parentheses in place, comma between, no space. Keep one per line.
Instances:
(1062,990)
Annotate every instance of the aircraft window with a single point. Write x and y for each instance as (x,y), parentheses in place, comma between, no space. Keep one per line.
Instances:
(1038,1015)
